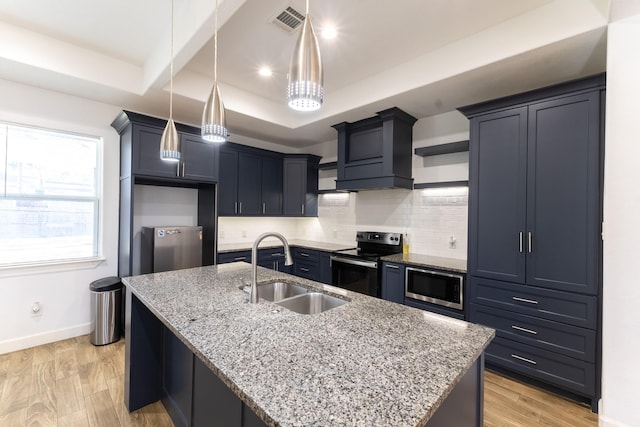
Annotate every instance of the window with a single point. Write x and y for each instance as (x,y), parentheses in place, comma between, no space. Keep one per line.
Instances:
(49,195)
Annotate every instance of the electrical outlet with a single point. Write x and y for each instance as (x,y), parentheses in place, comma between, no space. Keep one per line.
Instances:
(452,242)
(36,309)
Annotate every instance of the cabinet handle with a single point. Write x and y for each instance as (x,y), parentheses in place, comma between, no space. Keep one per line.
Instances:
(521,242)
(240,208)
(277,254)
(264,208)
(303,254)
(235,207)
(178,169)
(528,301)
(240,258)
(530,246)
(306,270)
(524,359)
(302,209)
(520,328)
(184,166)
(392,266)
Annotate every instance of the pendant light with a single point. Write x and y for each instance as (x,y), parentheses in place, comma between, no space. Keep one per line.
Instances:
(305,91)
(170,142)
(214,122)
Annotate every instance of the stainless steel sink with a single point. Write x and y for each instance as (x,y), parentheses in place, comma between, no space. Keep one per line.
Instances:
(277,291)
(311,303)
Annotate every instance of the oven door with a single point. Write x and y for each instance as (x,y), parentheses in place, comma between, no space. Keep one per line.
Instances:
(357,275)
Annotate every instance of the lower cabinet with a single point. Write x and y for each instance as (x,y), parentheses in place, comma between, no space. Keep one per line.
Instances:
(393,282)
(177,379)
(544,334)
(215,405)
(312,264)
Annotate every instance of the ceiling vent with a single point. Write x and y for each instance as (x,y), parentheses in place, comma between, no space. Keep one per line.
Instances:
(289,19)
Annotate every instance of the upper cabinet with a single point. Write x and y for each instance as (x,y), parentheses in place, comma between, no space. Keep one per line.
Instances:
(140,150)
(300,185)
(535,193)
(376,152)
(250,182)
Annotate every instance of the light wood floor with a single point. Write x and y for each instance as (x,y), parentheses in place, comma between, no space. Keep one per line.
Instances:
(73,383)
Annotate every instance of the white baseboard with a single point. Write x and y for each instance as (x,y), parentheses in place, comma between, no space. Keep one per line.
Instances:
(44,338)
(608,422)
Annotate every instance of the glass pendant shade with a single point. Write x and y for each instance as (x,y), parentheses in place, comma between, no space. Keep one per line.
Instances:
(214,122)
(305,91)
(170,143)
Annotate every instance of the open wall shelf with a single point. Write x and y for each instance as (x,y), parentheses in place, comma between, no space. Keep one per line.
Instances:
(436,150)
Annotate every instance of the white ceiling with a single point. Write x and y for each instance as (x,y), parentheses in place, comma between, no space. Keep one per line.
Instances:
(424,56)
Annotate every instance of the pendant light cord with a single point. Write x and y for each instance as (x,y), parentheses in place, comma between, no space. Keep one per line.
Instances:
(215,46)
(171,70)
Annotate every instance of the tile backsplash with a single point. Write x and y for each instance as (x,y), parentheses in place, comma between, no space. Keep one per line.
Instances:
(431,218)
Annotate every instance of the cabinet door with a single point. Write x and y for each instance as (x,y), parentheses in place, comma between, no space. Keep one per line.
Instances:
(325,268)
(177,379)
(214,404)
(271,185)
(295,184)
(228,182)
(497,195)
(199,158)
(393,282)
(563,194)
(146,153)
(249,184)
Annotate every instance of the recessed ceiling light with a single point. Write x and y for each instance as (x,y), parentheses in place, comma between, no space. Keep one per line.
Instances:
(265,71)
(329,32)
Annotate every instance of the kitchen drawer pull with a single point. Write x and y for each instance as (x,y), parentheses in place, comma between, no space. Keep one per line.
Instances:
(392,266)
(528,301)
(240,258)
(277,254)
(520,328)
(302,209)
(303,254)
(235,207)
(240,208)
(306,270)
(530,246)
(524,359)
(264,208)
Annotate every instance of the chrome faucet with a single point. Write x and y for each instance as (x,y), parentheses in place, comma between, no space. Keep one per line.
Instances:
(254,260)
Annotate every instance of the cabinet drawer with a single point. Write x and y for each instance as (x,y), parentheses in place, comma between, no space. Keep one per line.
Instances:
(565,372)
(306,254)
(564,307)
(569,340)
(308,270)
(271,254)
(226,257)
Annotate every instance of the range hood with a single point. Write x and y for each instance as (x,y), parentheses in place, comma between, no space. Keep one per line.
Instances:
(375,153)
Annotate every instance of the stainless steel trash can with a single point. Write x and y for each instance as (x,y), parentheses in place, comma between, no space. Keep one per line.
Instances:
(106,309)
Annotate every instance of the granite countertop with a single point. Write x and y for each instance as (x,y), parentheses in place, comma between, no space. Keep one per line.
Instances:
(274,243)
(366,363)
(450,264)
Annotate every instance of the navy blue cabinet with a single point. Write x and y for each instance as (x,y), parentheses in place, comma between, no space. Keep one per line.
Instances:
(393,282)
(140,163)
(535,212)
(300,185)
(250,182)
(177,379)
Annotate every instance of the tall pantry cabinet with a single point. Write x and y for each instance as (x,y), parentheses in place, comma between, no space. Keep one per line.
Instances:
(535,215)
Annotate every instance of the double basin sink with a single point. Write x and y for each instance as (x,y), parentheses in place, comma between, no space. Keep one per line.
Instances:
(297,298)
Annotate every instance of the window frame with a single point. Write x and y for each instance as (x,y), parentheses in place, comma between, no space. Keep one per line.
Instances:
(97,199)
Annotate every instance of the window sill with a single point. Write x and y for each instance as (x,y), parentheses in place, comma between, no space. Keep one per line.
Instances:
(50,267)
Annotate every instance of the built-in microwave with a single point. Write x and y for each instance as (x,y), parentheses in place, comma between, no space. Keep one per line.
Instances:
(434,286)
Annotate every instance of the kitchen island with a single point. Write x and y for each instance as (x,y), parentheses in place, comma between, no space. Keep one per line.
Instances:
(366,363)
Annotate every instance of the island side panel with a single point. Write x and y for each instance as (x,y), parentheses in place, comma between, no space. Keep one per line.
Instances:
(464,405)
(143,355)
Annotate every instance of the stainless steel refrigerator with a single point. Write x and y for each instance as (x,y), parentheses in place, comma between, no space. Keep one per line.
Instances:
(170,248)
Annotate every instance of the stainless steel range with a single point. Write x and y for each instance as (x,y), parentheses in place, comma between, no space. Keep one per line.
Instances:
(357,269)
